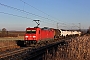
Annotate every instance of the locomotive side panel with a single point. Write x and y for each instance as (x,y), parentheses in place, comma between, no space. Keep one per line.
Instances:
(47,34)
(44,34)
(51,34)
(38,34)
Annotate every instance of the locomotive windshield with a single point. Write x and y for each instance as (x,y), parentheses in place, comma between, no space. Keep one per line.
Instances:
(31,31)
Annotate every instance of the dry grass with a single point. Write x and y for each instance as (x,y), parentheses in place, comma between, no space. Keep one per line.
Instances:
(7,45)
(77,49)
(12,38)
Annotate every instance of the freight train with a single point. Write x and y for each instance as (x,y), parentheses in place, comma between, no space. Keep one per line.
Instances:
(36,34)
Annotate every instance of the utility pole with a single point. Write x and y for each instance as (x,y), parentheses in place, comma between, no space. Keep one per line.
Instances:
(57,25)
(79,26)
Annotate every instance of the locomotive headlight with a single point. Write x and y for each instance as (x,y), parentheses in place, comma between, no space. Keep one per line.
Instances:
(26,36)
(34,36)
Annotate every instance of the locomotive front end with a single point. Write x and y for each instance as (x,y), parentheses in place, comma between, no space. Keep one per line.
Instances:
(30,36)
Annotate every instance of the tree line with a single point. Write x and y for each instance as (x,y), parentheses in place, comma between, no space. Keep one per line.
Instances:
(5,33)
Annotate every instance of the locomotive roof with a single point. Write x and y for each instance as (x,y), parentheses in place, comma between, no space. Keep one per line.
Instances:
(46,28)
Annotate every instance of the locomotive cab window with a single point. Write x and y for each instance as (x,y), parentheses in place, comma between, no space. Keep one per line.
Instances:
(31,31)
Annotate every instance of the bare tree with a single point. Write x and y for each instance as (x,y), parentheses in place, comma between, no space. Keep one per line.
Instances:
(4,32)
(88,31)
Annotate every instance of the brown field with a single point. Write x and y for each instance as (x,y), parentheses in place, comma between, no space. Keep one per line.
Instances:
(11,33)
(8,39)
(7,45)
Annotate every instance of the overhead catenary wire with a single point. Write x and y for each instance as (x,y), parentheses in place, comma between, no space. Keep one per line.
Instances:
(24,11)
(78,26)
(42,12)
(33,7)
(36,8)
(19,16)
(15,15)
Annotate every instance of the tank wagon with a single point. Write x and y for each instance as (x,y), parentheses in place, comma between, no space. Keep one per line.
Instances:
(69,32)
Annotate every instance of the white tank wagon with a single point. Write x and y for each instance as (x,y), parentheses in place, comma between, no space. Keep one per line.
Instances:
(76,33)
(64,32)
(69,32)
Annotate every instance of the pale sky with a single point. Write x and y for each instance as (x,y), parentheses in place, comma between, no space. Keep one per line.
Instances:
(17,15)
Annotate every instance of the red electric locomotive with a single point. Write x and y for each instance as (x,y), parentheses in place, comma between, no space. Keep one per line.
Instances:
(34,35)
